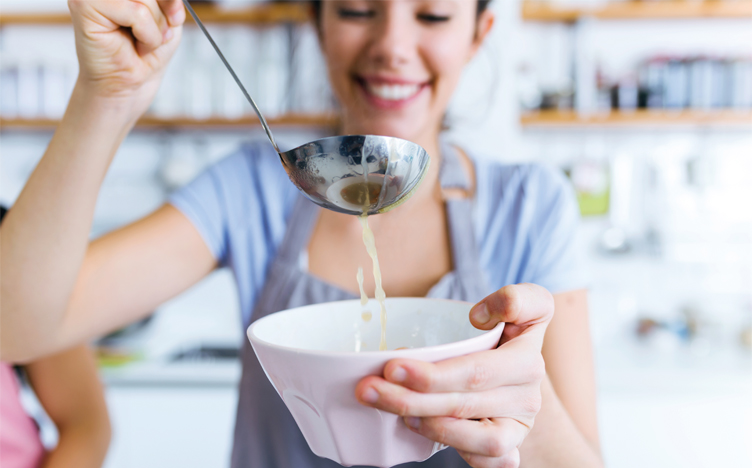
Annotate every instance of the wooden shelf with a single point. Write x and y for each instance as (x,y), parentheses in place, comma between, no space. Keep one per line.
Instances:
(547,13)
(156,123)
(552,118)
(533,10)
(659,118)
(272,13)
(677,9)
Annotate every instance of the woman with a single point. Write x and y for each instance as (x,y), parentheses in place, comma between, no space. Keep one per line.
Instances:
(393,66)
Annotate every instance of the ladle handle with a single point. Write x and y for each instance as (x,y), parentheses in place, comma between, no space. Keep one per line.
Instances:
(234,76)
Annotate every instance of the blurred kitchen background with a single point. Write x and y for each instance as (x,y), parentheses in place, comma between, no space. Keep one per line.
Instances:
(646,105)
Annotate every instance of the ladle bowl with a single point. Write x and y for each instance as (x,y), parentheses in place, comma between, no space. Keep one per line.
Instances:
(357,174)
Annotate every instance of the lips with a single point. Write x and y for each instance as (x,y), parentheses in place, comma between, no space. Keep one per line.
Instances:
(390,93)
(393,92)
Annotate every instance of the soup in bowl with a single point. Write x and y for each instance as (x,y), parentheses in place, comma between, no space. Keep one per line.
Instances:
(316,355)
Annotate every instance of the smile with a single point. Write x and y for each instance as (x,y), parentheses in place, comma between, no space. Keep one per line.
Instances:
(390,93)
(393,92)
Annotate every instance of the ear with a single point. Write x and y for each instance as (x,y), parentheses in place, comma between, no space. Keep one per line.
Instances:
(484,25)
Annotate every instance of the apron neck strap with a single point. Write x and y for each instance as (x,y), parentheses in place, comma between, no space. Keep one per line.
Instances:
(454,178)
(452,174)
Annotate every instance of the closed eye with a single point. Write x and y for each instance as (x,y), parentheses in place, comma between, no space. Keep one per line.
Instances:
(347,13)
(429,18)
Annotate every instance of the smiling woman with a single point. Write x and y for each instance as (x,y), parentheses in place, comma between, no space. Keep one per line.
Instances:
(494,234)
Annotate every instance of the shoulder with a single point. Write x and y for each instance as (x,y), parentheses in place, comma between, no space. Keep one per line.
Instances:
(526,216)
(253,159)
(530,181)
(245,195)
(532,191)
(252,177)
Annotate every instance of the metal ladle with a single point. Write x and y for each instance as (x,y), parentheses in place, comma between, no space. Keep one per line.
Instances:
(353,174)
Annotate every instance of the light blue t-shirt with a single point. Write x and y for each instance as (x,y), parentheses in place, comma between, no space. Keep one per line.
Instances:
(525,218)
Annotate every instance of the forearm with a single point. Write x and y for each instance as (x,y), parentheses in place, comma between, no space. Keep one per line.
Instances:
(45,235)
(555,441)
(80,447)
(68,388)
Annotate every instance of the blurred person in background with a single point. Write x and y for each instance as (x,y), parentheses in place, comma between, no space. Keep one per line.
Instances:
(68,388)
(494,234)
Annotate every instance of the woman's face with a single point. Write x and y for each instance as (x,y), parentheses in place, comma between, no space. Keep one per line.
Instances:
(394,64)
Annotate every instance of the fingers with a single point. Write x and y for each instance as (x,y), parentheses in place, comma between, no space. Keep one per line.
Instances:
(521,402)
(174,11)
(518,304)
(511,460)
(486,438)
(149,25)
(514,363)
(154,11)
(526,309)
(144,18)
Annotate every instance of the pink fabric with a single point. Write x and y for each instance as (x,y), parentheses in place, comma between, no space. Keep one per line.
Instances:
(20,446)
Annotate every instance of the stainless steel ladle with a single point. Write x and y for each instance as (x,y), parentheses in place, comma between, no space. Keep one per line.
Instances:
(351,174)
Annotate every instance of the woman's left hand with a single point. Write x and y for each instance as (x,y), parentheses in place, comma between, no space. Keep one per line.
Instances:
(482,404)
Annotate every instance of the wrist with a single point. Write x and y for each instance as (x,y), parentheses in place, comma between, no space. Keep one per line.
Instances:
(117,110)
(87,101)
(94,124)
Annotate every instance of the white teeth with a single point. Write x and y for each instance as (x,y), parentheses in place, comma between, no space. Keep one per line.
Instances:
(393,92)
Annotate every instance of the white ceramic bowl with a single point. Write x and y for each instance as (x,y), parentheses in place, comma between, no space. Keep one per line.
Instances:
(310,356)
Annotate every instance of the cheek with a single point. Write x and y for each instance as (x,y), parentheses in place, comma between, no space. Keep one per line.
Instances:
(334,53)
(340,48)
(447,59)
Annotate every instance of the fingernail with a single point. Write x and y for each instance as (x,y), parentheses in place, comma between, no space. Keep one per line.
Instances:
(413,422)
(168,35)
(370,395)
(480,314)
(399,374)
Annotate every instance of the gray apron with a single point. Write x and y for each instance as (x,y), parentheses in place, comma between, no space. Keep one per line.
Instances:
(266,435)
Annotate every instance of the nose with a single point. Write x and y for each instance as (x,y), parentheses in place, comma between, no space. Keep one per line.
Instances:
(394,41)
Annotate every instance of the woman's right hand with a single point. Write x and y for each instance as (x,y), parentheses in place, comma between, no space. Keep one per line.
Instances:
(124,46)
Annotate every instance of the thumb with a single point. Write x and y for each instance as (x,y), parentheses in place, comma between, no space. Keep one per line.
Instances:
(520,306)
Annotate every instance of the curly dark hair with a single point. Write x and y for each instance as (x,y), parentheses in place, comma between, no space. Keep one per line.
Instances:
(316,6)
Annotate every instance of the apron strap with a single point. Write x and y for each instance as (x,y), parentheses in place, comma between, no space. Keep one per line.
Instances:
(452,174)
(465,255)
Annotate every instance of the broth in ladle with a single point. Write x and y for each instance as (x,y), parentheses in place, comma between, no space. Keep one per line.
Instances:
(362,193)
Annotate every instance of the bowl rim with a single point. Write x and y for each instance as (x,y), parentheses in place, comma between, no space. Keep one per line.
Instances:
(391,354)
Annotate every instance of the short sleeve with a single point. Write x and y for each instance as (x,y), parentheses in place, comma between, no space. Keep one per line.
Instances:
(201,201)
(555,261)
(240,206)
